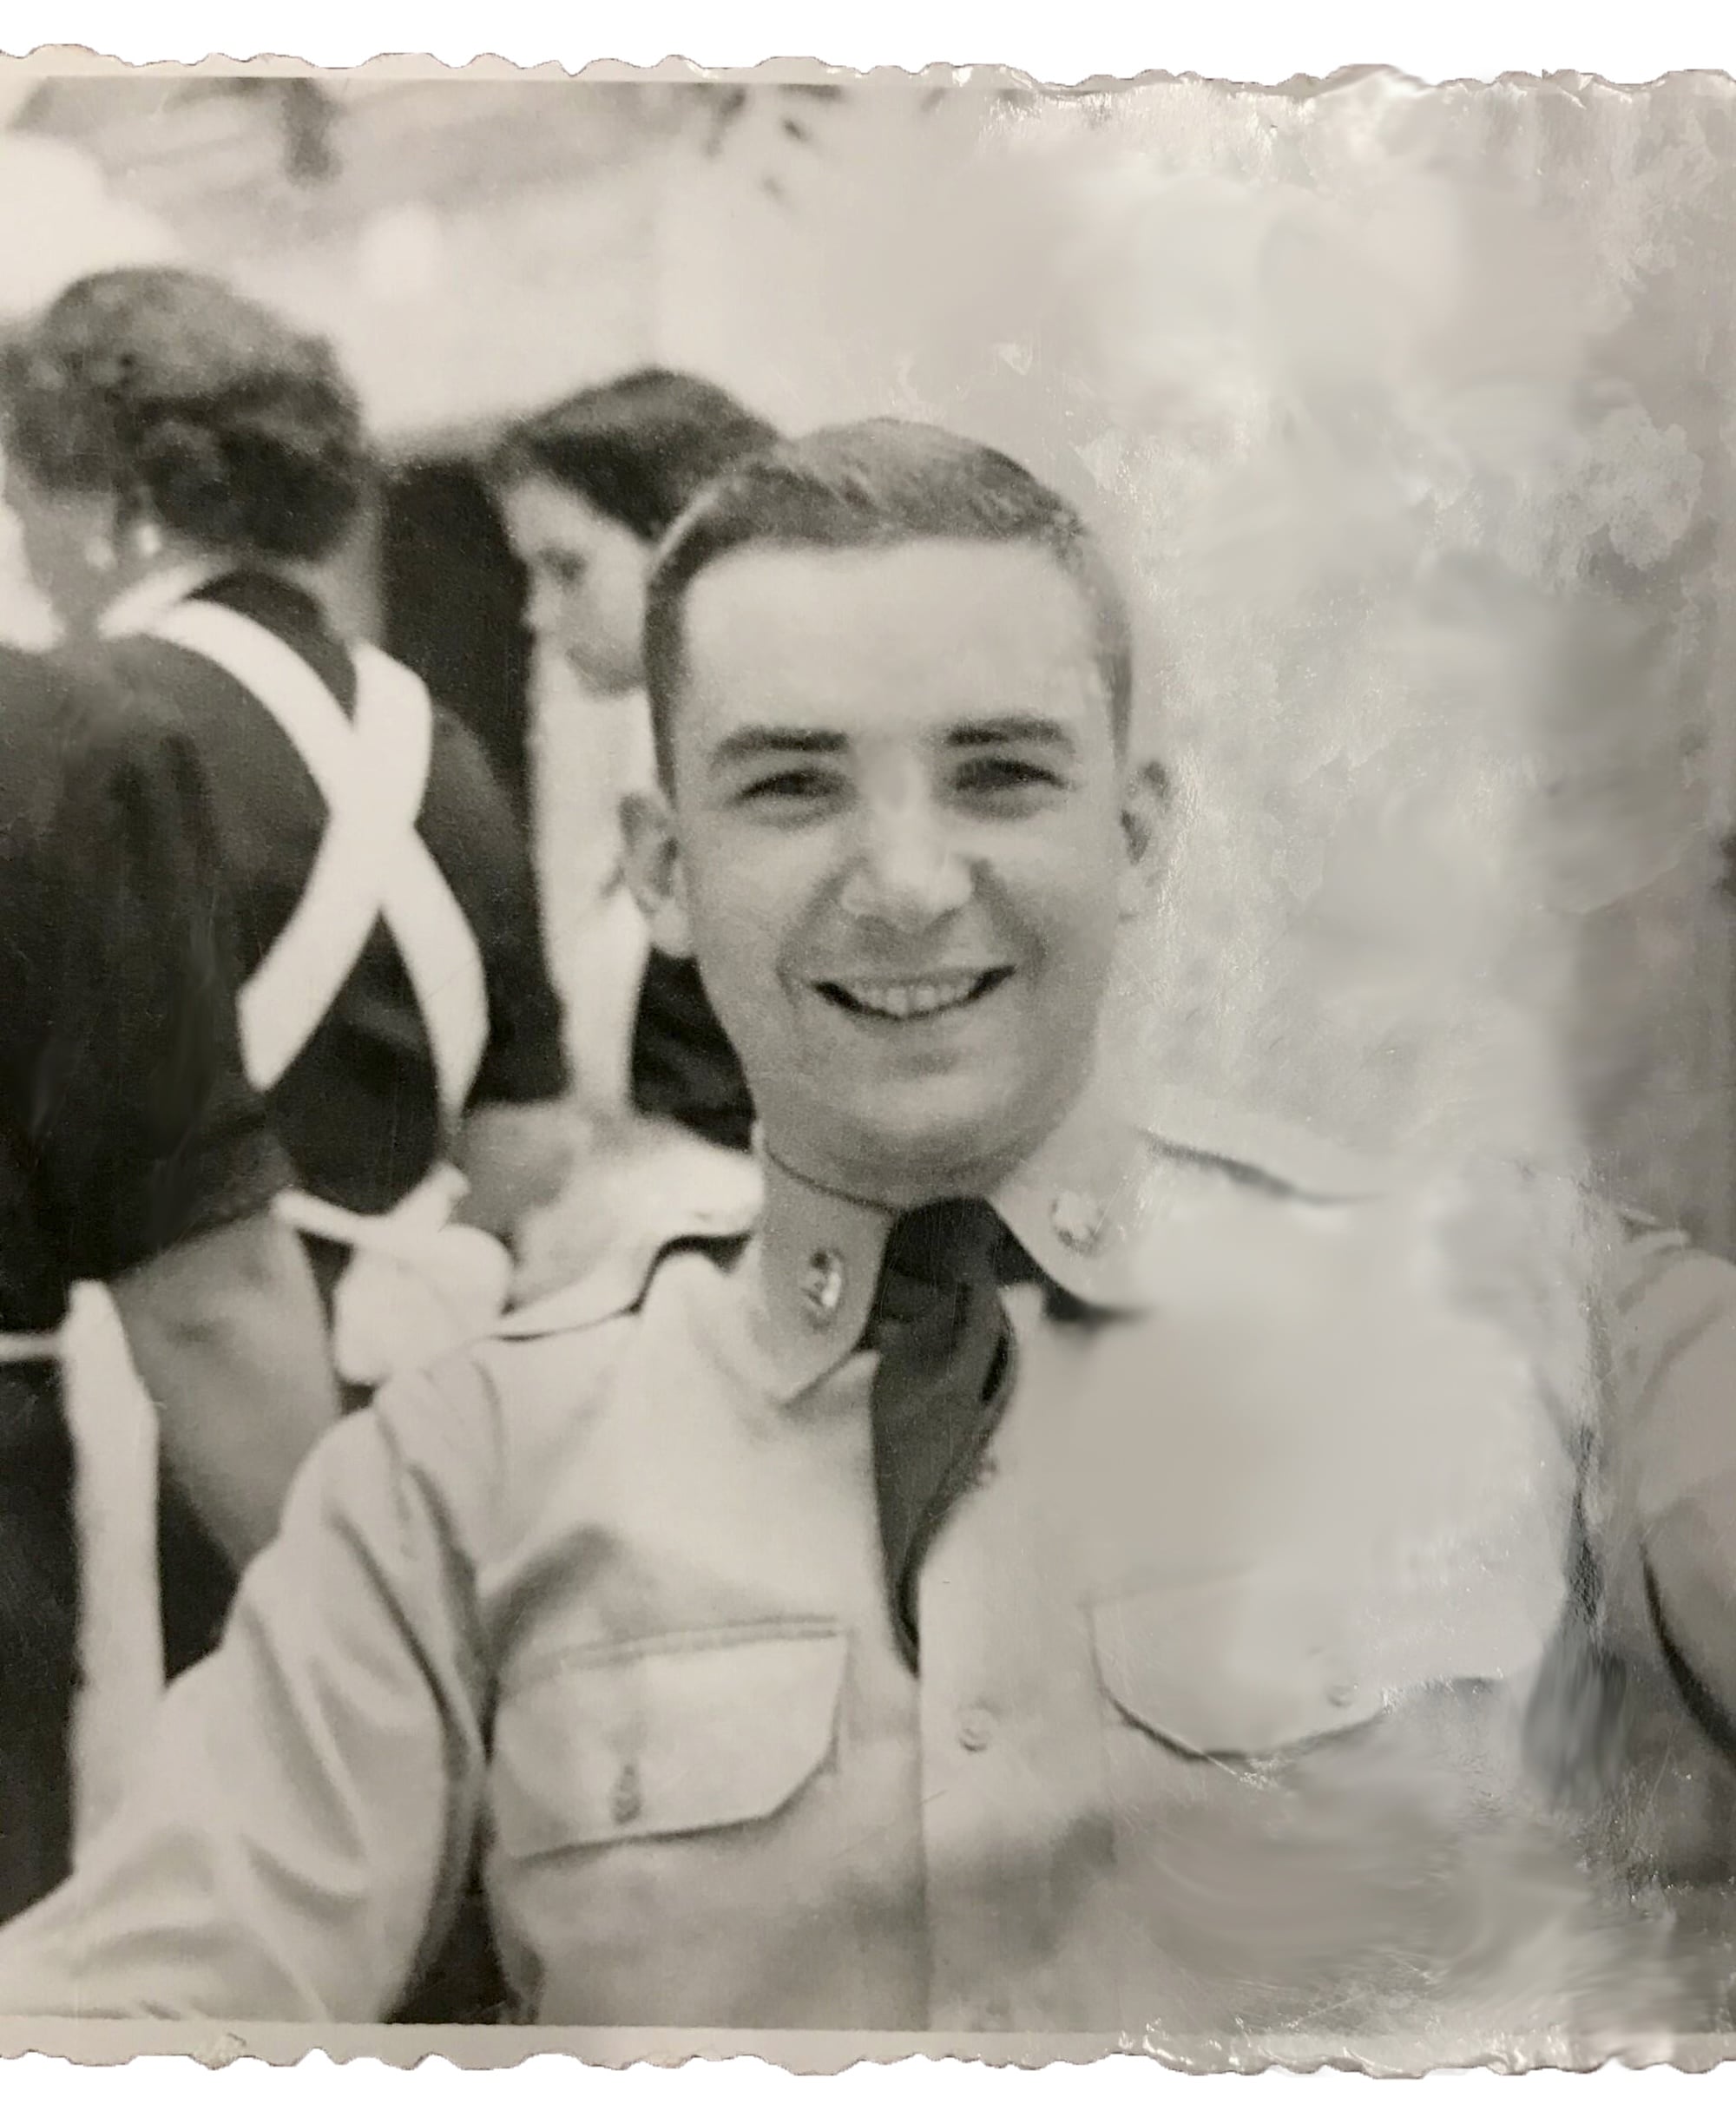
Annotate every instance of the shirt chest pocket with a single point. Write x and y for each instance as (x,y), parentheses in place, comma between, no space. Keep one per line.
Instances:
(666,1738)
(1263,1664)
(1320,1804)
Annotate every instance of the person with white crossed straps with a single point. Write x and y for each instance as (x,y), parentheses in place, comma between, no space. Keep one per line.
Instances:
(138,1167)
(181,460)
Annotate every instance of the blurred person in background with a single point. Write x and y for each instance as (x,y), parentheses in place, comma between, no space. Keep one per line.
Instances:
(585,490)
(132,1154)
(181,462)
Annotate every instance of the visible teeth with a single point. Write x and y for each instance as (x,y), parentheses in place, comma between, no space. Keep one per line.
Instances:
(916,996)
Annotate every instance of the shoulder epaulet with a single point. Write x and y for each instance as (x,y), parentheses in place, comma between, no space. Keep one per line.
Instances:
(1272,1154)
(616,1283)
(1627,1225)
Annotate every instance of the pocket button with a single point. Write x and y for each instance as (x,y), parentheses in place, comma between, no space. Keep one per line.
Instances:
(975,1730)
(627,1799)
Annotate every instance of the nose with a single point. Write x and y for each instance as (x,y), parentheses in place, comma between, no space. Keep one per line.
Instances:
(908,872)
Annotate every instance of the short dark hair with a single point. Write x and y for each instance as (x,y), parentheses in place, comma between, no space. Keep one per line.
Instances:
(638,450)
(168,388)
(877,484)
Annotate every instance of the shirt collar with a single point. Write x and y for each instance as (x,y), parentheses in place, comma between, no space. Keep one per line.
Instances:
(136,609)
(1074,1205)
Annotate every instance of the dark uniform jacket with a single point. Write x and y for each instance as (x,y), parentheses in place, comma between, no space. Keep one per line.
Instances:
(126,1127)
(126,1124)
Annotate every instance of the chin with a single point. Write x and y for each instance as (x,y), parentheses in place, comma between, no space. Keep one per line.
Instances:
(603,681)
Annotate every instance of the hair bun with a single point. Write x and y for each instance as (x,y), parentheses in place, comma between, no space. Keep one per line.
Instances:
(166,385)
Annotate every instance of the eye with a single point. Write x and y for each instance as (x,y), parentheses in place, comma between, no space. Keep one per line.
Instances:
(795,784)
(564,569)
(1003,777)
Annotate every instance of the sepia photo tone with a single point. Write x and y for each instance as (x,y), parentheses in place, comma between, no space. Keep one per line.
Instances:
(868,1078)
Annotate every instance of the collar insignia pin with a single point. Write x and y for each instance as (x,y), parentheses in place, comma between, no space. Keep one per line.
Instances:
(1078,1220)
(821,1285)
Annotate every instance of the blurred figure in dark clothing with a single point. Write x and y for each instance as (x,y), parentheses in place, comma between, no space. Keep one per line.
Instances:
(182,462)
(133,1153)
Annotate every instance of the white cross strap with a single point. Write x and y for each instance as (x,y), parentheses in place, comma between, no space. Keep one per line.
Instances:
(372,771)
(19,1347)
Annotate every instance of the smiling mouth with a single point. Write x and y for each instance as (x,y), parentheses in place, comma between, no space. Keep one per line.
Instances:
(911,999)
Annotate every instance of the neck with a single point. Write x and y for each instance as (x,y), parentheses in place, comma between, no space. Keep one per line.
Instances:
(887,1187)
(149,589)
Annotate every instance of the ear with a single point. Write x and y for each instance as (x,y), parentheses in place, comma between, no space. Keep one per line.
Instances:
(104,522)
(652,857)
(139,535)
(1146,833)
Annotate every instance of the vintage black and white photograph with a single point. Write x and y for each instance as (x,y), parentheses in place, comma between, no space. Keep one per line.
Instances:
(867,1064)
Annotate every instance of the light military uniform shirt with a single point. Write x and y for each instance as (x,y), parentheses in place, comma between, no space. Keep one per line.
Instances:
(1233,1714)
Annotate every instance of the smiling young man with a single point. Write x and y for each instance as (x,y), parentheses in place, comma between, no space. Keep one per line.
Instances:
(1040,1574)
(909,822)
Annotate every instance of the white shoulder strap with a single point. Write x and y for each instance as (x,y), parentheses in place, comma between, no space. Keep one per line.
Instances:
(373,773)
(436,941)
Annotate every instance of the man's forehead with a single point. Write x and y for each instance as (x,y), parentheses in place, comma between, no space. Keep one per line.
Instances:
(886,612)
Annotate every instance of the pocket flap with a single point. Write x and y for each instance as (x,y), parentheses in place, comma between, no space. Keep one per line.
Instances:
(1253,1665)
(663,1739)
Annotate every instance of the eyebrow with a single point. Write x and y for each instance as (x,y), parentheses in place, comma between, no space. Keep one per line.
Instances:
(1010,728)
(747,744)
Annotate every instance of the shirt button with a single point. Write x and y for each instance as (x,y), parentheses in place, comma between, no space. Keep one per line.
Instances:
(821,1285)
(628,1798)
(988,1469)
(975,1730)
(1341,1694)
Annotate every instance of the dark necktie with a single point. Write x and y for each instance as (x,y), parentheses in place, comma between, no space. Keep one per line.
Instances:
(946,1369)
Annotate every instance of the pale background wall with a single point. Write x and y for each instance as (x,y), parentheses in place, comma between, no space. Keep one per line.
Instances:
(1408,413)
